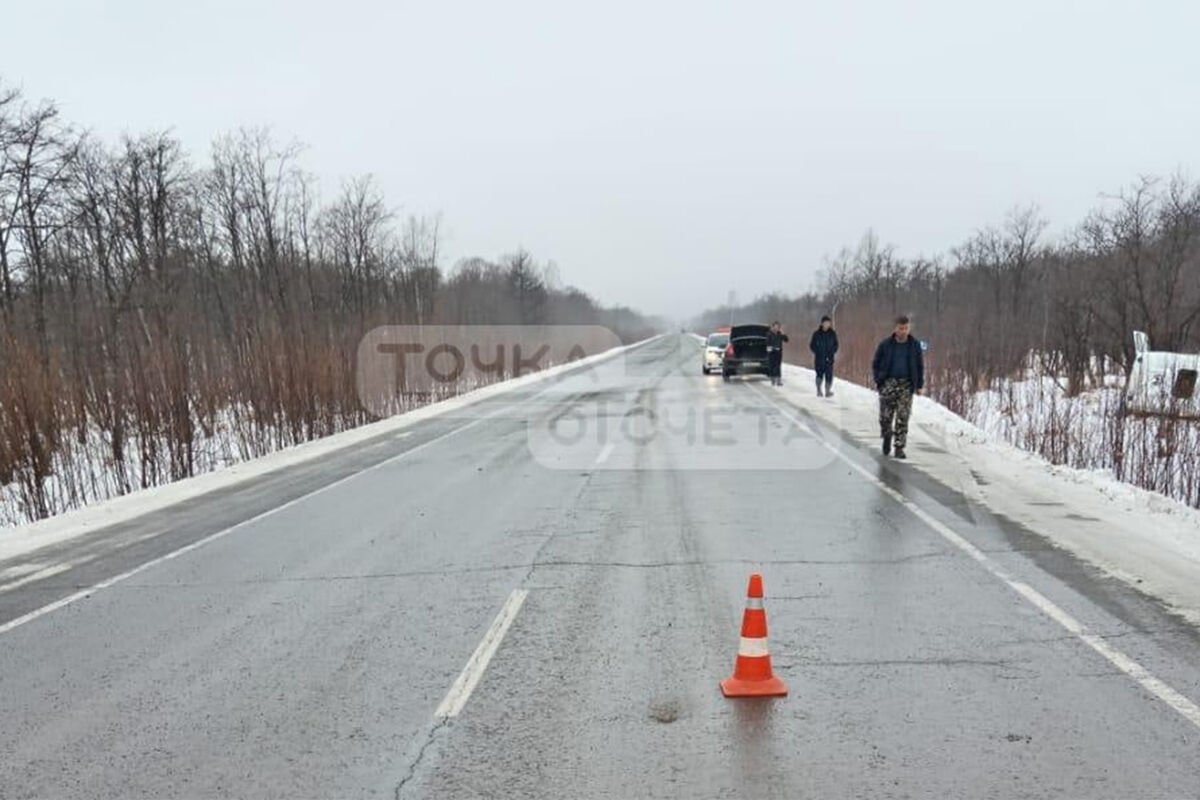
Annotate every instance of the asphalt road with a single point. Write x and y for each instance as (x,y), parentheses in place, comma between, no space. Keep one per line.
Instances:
(615,517)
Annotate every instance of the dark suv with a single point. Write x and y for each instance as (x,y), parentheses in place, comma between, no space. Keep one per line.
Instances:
(746,353)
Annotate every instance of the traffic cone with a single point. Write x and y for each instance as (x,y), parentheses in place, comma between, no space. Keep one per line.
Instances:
(752,676)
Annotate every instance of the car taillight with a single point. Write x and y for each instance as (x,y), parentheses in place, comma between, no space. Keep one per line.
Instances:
(729,351)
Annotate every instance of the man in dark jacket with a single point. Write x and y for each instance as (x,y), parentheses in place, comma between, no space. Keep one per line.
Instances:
(899,370)
(775,339)
(824,346)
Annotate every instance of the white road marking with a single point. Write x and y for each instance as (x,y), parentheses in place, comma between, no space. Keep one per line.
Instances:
(1146,679)
(196,545)
(19,570)
(605,452)
(469,678)
(37,576)
(28,538)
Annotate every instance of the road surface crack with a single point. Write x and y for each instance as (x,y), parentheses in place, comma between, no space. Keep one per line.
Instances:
(713,562)
(904,662)
(366,576)
(412,768)
(571,514)
(529,570)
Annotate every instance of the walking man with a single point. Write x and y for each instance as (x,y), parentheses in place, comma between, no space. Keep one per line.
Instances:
(824,346)
(775,339)
(899,370)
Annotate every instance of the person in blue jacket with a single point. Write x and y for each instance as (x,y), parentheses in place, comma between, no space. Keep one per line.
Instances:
(824,346)
(899,371)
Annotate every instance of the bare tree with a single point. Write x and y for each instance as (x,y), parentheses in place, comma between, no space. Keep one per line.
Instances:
(1023,229)
(10,128)
(160,319)
(44,152)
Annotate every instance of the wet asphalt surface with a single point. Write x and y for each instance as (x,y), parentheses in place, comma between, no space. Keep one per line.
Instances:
(304,654)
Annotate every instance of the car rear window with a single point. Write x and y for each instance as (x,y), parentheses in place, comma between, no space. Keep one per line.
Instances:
(749,331)
(718,340)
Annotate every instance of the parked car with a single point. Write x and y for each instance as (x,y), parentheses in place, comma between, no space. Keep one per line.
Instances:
(746,352)
(714,350)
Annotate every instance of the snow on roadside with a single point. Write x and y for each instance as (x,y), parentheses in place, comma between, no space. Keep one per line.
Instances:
(23,539)
(1138,536)
(83,472)
(1089,432)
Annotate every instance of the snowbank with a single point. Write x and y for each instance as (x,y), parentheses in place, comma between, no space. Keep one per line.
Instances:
(22,539)
(1141,537)
(1090,432)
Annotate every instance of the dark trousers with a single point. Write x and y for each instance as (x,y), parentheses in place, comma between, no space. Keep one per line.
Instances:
(895,407)
(775,366)
(824,373)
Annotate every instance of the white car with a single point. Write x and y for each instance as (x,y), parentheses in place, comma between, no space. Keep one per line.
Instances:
(714,352)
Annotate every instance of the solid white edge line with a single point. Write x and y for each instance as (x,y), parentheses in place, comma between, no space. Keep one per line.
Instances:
(1147,680)
(22,540)
(109,582)
(469,678)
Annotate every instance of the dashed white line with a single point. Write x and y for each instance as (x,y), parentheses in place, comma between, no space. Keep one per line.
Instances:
(1146,679)
(469,678)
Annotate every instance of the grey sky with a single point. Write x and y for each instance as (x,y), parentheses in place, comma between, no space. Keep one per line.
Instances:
(661,153)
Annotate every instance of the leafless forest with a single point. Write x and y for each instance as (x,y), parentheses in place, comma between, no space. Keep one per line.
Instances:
(1010,297)
(160,317)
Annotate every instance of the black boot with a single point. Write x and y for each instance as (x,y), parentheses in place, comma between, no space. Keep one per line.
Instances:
(900,453)
(887,443)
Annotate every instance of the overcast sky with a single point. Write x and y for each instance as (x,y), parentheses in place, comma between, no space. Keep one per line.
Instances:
(661,153)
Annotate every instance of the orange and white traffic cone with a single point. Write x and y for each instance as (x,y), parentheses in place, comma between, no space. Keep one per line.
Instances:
(752,676)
